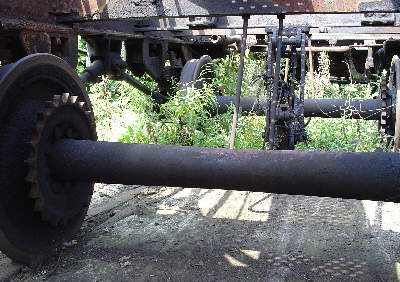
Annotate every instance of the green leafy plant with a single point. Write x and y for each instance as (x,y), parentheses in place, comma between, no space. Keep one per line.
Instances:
(124,114)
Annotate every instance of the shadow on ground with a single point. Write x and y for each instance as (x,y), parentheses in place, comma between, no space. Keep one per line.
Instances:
(216,235)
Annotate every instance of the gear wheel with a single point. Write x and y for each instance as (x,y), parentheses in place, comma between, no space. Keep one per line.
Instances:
(59,120)
(388,91)
(386,113)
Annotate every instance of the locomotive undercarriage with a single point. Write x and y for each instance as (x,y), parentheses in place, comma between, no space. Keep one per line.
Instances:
(50,158)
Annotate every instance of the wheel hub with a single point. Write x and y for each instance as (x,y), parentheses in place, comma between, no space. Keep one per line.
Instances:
(63,118)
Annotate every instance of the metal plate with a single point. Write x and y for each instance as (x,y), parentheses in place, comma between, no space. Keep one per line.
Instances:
(129,9)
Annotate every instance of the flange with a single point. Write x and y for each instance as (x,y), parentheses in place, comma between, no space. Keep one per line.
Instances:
(195,73)
(25,86)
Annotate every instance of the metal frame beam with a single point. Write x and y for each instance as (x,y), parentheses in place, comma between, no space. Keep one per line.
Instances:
(128,9)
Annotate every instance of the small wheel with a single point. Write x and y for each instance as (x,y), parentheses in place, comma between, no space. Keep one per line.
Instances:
(196,73)
(32,224)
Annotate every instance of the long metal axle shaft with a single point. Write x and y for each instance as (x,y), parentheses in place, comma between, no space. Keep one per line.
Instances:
(372,176)
(368,109)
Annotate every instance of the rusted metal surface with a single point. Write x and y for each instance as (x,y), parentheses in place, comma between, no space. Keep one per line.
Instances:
(122,9)
(26,8)
(373,176)
(35,42)
(127,9)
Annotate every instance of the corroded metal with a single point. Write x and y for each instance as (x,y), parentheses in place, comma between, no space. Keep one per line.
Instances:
(373,176)
(124,9)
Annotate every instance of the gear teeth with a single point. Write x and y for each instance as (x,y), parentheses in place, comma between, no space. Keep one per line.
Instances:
(35,192)
(73,99)
(39,127)
(30,161)
(56,100)
(65,98)
(31,177)
(32,144)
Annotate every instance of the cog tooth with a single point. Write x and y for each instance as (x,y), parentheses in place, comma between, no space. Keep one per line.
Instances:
(73,99)
(65,98)
(31,176)
(40,127)
(32,144)
(39,204)
(30,161)
(56,100)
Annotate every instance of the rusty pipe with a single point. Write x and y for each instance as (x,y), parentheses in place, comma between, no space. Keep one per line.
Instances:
(368,109)
(372,176)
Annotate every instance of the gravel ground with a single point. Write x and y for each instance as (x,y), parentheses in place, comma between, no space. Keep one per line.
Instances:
(177,234)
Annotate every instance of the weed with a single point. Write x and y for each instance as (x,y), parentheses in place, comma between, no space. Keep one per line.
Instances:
(124,114)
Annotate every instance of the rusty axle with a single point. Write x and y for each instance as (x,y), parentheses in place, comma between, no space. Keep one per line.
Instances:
(372,176)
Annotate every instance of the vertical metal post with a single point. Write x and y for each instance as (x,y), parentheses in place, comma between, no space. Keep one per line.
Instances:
(269,62)
(293,80)
(302,80)
(239,82)
(310,57)
(396,78)
(275,97)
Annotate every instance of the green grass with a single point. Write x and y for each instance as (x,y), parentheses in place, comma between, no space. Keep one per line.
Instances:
(124,114)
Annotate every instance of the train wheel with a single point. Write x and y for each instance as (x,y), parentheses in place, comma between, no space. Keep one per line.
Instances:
(196,73)
(37,214)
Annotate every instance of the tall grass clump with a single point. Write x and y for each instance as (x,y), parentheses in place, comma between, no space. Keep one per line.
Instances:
(340,134)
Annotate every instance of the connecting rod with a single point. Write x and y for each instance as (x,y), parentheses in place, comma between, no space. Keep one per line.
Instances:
(372,176)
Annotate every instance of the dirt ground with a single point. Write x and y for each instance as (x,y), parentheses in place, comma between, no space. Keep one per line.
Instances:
(137,233)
